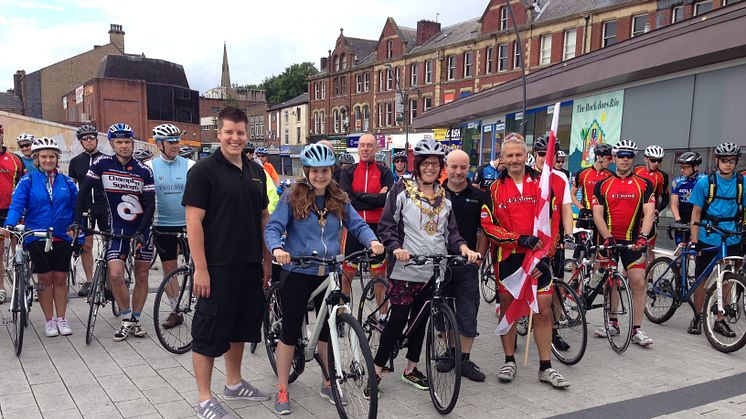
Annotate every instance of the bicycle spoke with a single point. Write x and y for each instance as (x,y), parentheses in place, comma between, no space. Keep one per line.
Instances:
(173,310)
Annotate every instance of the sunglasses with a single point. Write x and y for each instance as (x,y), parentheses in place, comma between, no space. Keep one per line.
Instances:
(25,145)
(731,160)
(655,160)
(625,155)
(541,153)
(89,138)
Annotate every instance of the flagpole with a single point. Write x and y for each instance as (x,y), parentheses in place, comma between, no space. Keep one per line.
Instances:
(528,336)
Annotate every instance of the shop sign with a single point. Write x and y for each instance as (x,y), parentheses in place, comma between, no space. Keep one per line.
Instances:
(595,120)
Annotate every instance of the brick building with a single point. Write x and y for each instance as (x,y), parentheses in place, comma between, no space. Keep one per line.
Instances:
(41,91)
(287,122)
(381,85)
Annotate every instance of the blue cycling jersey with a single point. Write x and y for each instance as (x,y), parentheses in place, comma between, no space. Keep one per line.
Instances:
(126,186)
(720,208)
(170,179)
(485,176)
(682,187)
(28,162)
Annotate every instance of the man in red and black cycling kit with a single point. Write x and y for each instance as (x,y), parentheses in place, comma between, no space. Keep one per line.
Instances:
(11,170)
(624,211)
(585,182)
(508,222)
(659,179)
(366,183)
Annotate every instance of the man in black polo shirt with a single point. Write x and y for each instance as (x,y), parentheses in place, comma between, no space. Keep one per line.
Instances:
(464,285)
(226,210)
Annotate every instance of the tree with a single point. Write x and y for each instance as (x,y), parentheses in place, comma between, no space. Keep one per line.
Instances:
(290,83)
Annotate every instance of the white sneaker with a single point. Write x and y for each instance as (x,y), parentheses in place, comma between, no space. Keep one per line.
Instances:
(52,329)
(642,339)
(601,331)
(64,327)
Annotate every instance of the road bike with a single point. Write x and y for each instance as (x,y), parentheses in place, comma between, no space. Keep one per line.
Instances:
(487,279)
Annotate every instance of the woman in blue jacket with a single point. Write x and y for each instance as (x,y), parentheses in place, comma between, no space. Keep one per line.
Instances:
(312,213)
(46,198)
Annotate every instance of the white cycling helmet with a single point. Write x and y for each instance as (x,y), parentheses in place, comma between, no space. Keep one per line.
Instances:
(654,152)
(530,160)
(728,150)
(624,145)
(44,143)
(429,147)
(24,137)
(166,132)
(561,154)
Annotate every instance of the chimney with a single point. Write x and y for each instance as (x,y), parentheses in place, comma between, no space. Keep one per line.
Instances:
(426,30)
(324,62)
(116,36)
(20,74)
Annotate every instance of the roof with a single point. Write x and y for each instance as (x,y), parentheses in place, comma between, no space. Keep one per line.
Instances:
(298,100)
(10,102)
(361,47)
(137,67)
(560,9)
(450,35)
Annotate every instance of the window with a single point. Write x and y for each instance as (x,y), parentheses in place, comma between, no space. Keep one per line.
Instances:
(297,114)
(336,63)
(488,59)
(545,56)
(323,90)
(286,117)
(358,116)
(297,135)
(379,112)
(214,109)
(398,77)
(323,122)
(702,7)
(336,86)
(468,64)
(287,137)
(729,2)
(389,79)
(677,14)
(427,103)
(502,57)
(316,123)
(366,118)
(571,36)
(428,72)
(343,58)
(412,110)
(358,83)
(413,75)
(389,114)
(380,80)
(638,25)
(343,84)
(366,82)
(316,91)
(389,48)
(451,64)
(504,18)
(608,36)
(516,55)
(335,118)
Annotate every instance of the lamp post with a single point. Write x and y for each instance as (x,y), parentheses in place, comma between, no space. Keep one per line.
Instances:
(404,107)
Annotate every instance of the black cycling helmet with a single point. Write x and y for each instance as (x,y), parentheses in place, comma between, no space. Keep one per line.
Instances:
(602,149)
(542,143)
(249,148)
(346,158)
(690,157)
(86,130)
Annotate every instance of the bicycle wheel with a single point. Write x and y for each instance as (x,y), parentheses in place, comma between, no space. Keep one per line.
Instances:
(570,334)
(371,314)
(96,298)
(443,345)
(19,313)
(357,373)
(487,283)
(75,270)
(177,309)
(618,306)
(661,277)
(272,328)
(734,304)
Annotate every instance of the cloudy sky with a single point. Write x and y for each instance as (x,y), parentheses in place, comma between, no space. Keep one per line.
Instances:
(263,37)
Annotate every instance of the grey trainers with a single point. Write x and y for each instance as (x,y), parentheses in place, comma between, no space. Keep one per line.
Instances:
(507,372)
(213,410)
(282,402)
(326,393)
(551,376)
(245,392)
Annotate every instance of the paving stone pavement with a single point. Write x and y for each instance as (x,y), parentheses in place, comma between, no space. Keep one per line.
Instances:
(63,377)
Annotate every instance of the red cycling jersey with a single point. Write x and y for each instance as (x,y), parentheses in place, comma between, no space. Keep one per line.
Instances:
(658,179)
(11,170)
(586,181)
(622,199)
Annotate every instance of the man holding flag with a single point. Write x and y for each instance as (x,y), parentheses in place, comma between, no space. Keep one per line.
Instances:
(521,214)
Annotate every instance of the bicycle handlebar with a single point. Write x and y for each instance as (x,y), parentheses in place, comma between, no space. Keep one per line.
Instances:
(711,228)
(304,261)
(177,234)
(20,233)
(616,247)
(422,259)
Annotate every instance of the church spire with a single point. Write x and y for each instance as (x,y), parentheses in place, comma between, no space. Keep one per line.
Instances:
(225,78)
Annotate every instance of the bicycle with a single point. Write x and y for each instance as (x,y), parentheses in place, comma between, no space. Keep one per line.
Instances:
(671,282)
(179,283)
(443,343)
(349,376)
(487,279)
(21,298)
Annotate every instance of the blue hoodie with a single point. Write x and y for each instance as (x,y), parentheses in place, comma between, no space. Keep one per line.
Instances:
(305,236)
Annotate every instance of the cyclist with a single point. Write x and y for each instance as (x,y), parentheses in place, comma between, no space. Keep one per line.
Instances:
(24,146)
(681,190)
(651,171)
(345,160)
(559,163)
(585,182)
(249,151)
(487,173)
(261,154)
(46,198)
(400,166)
(11,171)
(624,212)
(366,183)
(717,199)
(417,219)
(142,155)
(130,196)
(312,215)
(170,174)
(508,217)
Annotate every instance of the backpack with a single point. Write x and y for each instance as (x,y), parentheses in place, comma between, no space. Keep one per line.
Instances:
(712,195)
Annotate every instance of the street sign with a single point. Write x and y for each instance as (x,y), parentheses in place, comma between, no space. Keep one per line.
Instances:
(399,99)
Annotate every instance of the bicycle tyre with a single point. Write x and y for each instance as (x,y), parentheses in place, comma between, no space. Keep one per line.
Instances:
(96,298)
(272,329)
(354,381)
(734,313)
(368,313)
(443,400)
(487,281)
(661,292)
(619,342)
(20,315)
(572,326)
(182,333)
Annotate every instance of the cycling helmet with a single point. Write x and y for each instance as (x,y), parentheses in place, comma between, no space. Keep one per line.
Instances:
(316,155)
(727,150)
(602,149)
(260,150)
(249,148)
(286,183)
(654,152)
(690,157)
(542,143)
(624,145)
(142,154)
(380,156)
(530,160)
(24,138)
(346,158)
(44,143)
(166,132)
(429,147)
(120,130)
(186,151)
(86,130)
(400,156)
(561,154)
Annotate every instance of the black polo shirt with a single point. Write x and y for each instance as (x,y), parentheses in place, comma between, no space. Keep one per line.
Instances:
(233,200)
(467,206)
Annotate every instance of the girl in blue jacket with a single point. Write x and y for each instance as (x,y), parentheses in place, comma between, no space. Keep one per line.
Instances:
(312,212)
(46,198)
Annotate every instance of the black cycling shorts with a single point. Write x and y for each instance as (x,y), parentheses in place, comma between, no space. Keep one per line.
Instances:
(167,245)
(295,290)
(464,287)
(57,259)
